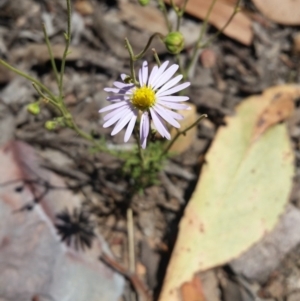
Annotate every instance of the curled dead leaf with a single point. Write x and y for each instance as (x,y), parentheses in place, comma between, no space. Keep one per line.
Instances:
(239,27)
(281,106)
(192,290)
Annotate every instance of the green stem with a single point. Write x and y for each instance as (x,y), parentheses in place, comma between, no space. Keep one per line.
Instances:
(68,41)
(38,90)
(165,13)
(236,10)
(141,54)
(21,73)
(141,155)
(156,57)
(131,55)
(180,14)
(182,133)
(181,70)
(51,55)
(202,31)
(83,134)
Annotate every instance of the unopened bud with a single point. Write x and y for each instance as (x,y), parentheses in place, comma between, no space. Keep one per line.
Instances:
(174,42)
(50,125)
(128,80)
(34,108)
(143,2)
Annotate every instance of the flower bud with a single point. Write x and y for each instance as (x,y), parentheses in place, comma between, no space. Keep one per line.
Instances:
(143,2)
(174,42)
(50,125)
(34,108)
(128,80)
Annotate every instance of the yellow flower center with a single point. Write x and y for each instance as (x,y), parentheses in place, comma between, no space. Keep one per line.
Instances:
(143,98)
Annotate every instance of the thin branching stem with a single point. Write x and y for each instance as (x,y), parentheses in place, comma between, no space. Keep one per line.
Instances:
(165,14)
(156,57)
(42,95)
(33,80)
(236,10)
(180,14)
(131,55)
(201,45)
(53,64)
(179,133)
(46,94)
(201,34)
(141,54)
(141,154)
(181,69)
(64,57)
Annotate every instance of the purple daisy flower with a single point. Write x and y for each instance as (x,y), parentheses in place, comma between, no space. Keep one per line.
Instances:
(152,98)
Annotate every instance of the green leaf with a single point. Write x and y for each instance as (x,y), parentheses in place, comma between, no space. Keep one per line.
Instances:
(243,188)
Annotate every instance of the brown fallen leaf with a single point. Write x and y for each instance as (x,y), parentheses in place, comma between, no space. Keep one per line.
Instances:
(192,290)
(238,29)
(280,107)
(284,12)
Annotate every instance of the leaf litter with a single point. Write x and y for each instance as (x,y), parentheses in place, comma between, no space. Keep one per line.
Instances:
(30,246)
(237,71)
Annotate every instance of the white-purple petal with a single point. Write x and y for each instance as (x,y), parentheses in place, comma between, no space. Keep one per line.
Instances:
(173,105)
(116,117)
(140,77)
(160,127)
(130,127)
(172,113)
(144,129)
(122,122)
(158,73)
(144,73)
(174,90)
(116,98)
(152,75)
(114,112)
(164,114)
(114,106)
(122,113)
(114,90)
(171,83)
(173,98)
(165,76)
(119,85)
